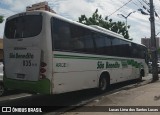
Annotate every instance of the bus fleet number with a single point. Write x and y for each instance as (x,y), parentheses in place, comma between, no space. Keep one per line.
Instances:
(27,63)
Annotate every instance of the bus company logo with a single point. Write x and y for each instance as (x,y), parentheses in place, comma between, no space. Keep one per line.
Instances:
(21,56)
(101,65)
(6,109)
(124,64)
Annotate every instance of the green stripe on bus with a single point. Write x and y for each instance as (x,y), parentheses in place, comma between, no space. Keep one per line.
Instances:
(129,61)
(84,57)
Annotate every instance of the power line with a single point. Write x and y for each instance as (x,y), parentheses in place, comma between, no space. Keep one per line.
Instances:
(140,2)
(144,7)
(156,14)
(119,8)
(146,2)
(135,4)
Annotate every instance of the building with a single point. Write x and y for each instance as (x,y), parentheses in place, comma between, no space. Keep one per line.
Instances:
(147,42)
(1,49)
(40,6)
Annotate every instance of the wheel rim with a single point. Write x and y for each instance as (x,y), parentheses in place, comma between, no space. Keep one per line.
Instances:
(1,90)
(103,84)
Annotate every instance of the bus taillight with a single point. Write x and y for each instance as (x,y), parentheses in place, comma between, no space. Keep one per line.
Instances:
(43,64)
(43,70)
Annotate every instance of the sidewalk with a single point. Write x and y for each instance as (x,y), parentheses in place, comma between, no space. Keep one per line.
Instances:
(145,95)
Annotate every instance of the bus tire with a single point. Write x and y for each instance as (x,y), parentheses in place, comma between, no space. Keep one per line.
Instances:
(2,89)
(103,83)
(141,75)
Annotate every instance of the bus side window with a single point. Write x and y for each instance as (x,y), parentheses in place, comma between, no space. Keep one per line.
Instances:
(64,35)
(76,38)
(60,35)
(100,43)
(81,39)
(77,43)
(88,44)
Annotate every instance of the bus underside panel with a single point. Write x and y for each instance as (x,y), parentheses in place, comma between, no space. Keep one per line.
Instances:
(41,86)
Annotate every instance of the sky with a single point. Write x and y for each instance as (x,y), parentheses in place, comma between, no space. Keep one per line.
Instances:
(72,9)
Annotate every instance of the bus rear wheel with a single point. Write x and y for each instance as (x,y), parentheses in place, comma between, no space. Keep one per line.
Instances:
(103,84)
(141,75)
(1,89)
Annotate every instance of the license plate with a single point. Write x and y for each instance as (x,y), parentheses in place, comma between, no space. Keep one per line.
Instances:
(21,76)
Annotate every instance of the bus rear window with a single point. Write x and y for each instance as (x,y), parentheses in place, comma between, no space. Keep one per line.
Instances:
(23,26)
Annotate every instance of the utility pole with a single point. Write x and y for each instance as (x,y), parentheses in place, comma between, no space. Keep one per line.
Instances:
(153,44)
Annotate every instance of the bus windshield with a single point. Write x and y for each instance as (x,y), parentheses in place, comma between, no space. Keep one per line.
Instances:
(23,26)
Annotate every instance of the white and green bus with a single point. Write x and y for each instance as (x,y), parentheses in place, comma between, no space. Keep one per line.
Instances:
(46,53)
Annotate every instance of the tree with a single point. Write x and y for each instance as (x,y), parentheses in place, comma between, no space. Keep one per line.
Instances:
(1,19)
(96,19)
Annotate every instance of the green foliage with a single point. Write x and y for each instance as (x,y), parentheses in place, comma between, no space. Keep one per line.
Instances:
(1,19)
(96,19)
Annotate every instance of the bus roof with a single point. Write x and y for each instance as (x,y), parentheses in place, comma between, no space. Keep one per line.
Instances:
(91,27)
